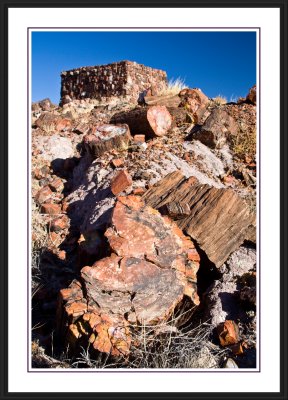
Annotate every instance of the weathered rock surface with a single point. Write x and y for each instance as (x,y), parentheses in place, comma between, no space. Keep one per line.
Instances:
(54,147)
(121,181)
(152,267)
(196,102)
(52,122)
(222,297)
(105,138)
(218,218)
(251,96)
(216,129)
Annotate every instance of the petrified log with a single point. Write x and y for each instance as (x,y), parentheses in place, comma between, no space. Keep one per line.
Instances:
(218,220)
(152,270)
(168,100)
(216,129)
(151,121)
(52,122)
(180,116)
(106,138)
(196,102)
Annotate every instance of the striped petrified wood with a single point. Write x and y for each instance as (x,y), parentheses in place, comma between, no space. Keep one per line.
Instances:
(218,219)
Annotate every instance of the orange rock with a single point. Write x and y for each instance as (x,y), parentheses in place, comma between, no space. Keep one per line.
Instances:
(43,195)
(63,124)
(120,182)
(62,255)
(139,139)
(59,224)
(76,309)
(49,208)
(57,185)
(193,255)
(65,206)
(228,332)
(117,162)
(139,191)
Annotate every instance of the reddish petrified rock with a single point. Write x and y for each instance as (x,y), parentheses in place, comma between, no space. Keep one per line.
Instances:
(52,122)
(121,181)
(59,224)
(139,138)
(43,195)
(194,101)
(117,162)
(50,208)
(145,278)
(228,332)
(63,124)
(141,232)
(139,191)
(57,185)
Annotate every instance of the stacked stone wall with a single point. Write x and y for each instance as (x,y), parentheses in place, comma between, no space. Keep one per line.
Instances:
(123,79)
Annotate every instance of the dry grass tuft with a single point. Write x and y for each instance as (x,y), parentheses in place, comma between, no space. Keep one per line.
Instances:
(219,100)
(174,87)
(163,346)
(244,144)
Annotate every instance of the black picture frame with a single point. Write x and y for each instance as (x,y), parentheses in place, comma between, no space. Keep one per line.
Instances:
(4,263)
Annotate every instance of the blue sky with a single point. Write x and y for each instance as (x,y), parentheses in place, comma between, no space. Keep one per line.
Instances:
(217,62)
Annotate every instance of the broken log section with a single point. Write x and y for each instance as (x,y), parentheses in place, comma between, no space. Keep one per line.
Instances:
(218,218)
(105,138)
(150,121)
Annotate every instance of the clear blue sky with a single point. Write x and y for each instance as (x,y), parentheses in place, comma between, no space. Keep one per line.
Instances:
(217,62)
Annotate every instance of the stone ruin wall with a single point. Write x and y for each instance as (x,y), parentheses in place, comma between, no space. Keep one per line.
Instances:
(124,79)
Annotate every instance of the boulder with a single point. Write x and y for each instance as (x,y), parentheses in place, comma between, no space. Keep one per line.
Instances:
(150,271)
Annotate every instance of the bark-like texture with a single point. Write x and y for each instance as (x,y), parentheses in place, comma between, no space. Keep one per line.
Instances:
(218,218)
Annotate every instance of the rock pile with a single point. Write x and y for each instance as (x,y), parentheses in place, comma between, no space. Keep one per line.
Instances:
(138,203)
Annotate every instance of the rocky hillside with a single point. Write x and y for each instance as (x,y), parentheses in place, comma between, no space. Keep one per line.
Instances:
(144,232)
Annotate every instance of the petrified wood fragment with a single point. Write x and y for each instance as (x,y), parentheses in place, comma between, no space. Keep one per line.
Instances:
(152,268)
(151,121)
(196,102)
(105,138)
(218,220)
(216,129)
(167,100)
